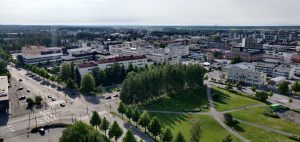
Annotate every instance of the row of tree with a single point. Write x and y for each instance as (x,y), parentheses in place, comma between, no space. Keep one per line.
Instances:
(113,75)
(152,83)
(153,125)
(114,131)
(40,71)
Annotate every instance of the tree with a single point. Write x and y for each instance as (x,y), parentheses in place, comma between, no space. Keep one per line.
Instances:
(81,132)
(236,59)
(283,88)
(129,112)
(167,135)
(261,96)
(196,131)
(70,84)
(144,120)
(227,138)
(30,103)
(229,119)
(253,88)
(65,71)
(3,68)
(136,115)
(104,125)
(179,137)
(129,137)
(122,109)
(95,120)
(38,100)
(115,131)
(154,127)
(87,83)
(296,87)
(270,93)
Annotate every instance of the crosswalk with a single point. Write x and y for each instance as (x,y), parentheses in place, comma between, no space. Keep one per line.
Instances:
(10,128)
(47,117)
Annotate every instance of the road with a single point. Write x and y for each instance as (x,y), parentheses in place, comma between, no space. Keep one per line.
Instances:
(77,108)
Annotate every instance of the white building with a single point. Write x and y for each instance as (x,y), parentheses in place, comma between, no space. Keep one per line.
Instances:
(41,55)
(265,67)
(244,73)
(164,58)
(139,61)
(286,71)
(182,50)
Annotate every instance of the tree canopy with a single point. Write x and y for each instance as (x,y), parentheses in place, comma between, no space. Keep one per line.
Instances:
(81,132)
(87,83)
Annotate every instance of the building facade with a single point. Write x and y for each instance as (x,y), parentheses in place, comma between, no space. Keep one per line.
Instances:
(244,73)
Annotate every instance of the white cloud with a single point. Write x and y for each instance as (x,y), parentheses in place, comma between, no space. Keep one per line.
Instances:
(157,12)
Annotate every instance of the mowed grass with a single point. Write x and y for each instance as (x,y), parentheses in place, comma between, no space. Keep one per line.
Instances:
(255,115)
(255,134)
(189,100)
(227,100)
(211,130)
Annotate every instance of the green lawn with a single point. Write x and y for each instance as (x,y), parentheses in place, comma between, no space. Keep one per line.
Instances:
(255,115)
(227,100)
(190,100)
(259,135)
(211,130)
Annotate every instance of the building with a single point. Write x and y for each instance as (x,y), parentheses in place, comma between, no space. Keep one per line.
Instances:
(40,55)
(164,58)
(139,61)
(84,54)
(264,67)
(4,99)
(284,70)
(181,50)
(199,56)
(247,54)
(244,73)
(295,58)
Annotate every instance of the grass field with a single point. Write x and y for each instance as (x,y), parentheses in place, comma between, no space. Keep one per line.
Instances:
(228,100)
(255,115)
(190,100)
(259,135)
(211,130)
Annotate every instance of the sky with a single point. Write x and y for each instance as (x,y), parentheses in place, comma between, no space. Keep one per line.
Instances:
(151,12)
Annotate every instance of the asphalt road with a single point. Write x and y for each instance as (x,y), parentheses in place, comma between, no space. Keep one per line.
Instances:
(77,108)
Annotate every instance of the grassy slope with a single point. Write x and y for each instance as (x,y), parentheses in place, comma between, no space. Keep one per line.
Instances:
(212,131)
(259,135)
(190,100)
(255,115)
(228,100)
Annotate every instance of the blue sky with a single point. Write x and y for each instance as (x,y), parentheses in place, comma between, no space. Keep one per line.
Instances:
(150,12)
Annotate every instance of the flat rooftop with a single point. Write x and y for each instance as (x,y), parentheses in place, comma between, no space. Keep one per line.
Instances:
(3,88)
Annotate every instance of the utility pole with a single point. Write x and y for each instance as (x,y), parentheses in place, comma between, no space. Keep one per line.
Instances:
(35,121)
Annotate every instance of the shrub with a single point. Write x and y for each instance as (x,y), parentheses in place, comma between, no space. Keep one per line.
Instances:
(269,112)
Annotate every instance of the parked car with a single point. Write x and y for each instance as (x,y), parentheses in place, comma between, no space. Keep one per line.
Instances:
(109,97)
(116,95)
(62,105)
(20,88)
(22,98)
(20,79)
(49,96)
(53,99)
(27,90)
(42,131)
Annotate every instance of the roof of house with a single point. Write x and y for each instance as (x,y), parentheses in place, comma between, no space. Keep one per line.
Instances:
(111,60)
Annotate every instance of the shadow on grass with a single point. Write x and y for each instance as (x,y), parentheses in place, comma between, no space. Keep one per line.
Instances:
(189,100)
(220,98)
(238,128)
(170,120)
